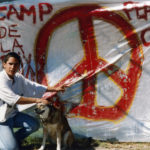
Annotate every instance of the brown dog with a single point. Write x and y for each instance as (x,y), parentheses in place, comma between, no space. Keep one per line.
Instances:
(55,125)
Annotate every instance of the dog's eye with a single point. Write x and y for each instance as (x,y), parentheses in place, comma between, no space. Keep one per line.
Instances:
(39,111)
(42,111)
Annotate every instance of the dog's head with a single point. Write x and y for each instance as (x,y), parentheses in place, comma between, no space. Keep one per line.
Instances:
(47,112)
(42,110)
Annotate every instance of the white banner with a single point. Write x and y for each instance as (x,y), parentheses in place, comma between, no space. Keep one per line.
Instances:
(100,49)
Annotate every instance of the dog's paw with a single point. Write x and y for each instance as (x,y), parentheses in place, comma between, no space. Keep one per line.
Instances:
(58,148)
(41,148)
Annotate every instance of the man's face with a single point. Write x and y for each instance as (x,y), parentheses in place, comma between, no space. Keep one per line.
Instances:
(11,66)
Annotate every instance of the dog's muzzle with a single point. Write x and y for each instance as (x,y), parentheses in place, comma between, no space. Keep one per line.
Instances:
(39,111)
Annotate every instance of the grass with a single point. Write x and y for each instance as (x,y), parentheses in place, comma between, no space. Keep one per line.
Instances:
(81,144)
(33,143)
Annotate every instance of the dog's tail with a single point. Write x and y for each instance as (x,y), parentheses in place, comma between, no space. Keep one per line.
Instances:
(82,143)
(68,139)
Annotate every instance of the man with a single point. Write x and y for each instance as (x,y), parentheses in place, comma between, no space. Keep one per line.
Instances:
(16,89)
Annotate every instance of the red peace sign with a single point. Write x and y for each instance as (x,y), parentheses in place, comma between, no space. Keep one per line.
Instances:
(128,82)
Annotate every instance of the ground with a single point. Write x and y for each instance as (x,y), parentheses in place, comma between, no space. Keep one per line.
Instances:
(88,144)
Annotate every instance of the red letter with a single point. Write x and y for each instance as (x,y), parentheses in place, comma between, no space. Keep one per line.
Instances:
(1,9)
(141,15)
(16,44)
(42,11)
(12,11)
(2,50)
(2,32)
(143,38)
(126,10)
(29,69)
(28,12)
(10,31)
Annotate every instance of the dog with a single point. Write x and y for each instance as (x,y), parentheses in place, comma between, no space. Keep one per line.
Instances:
(55,125)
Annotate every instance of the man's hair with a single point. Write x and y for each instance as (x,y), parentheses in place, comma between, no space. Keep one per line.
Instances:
(11,54)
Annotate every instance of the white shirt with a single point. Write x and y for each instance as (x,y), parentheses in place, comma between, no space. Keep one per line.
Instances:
(12,89)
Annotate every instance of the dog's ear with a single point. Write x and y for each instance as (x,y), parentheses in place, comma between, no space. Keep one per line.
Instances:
(50,105)
(58,105)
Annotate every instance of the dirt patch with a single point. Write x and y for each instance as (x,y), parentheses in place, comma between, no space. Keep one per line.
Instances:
(122,146)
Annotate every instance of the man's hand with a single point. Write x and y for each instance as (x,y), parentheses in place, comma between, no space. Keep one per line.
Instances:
(56,89)
(62,89)
(44,101)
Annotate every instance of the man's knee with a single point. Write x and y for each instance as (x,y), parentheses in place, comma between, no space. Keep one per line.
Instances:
(35,125)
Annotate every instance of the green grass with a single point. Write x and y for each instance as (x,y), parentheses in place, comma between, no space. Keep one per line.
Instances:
(33,143)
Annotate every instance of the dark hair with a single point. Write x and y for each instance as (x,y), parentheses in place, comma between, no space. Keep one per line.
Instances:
(11,54)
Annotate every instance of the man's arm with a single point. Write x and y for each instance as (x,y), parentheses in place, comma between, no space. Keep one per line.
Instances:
(30,100)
